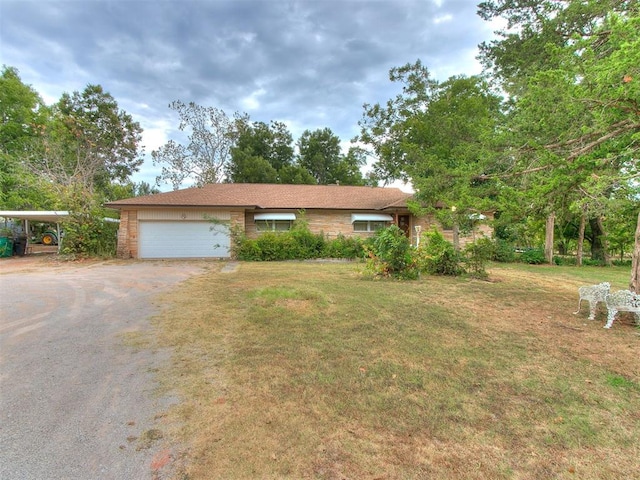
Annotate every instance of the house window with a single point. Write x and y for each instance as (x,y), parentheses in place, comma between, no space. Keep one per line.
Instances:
(369,226)
(273,225)
(274,222)
(370,222)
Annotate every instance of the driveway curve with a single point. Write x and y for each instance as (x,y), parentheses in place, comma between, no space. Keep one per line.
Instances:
(76,400)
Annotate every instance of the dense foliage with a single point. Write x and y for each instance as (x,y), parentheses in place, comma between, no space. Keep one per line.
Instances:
(438,256)
(73,155)
(390,255)
(556,159)
(299,243)
(89,235)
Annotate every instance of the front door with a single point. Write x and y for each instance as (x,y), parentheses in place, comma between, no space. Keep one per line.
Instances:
(404,224)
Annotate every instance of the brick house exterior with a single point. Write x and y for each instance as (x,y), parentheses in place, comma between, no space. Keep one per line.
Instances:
(146,222)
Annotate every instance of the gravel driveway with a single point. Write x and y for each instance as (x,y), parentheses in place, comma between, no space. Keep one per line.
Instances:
(76,401)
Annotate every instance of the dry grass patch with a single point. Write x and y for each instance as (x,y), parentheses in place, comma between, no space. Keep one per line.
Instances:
(297,370)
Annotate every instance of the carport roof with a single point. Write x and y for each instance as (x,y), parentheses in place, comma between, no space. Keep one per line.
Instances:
(36,215)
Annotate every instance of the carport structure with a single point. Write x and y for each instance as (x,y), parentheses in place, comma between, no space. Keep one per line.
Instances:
(48,216)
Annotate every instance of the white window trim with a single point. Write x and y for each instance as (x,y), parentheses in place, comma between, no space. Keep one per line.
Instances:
(274,216)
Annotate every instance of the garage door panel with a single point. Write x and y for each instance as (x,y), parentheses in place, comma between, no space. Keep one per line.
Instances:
(168,239)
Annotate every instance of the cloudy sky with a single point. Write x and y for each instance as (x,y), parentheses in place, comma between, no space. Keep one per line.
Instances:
(310,64)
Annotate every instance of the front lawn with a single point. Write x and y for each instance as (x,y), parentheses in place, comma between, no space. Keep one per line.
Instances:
(309,370)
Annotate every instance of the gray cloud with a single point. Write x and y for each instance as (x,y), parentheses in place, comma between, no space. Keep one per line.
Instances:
(311,63)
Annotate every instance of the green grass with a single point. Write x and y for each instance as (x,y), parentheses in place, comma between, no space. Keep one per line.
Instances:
(298,370)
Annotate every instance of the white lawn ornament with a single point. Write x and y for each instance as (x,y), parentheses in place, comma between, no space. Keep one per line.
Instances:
(593,294)
(622,301)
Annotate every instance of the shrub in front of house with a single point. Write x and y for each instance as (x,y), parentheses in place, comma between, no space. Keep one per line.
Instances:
(306,245)
(437,256)
(476,257)
(390,255)
(297,244)
(248,250)
(276,246)
(344,247)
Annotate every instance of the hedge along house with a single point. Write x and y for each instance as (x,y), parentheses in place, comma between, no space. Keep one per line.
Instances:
(195,222)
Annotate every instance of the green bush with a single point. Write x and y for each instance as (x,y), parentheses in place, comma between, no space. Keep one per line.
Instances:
(88,235)
(533,256)
(248,250)
(304,243)
(344,247)
(276,246)
(477,255)
(593,263)
(437,256)
(504,251)
(390,255)
(563,260)
(622,263)
(297,244)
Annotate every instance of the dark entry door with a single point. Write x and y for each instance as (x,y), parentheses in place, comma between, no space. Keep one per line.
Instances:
(403,224)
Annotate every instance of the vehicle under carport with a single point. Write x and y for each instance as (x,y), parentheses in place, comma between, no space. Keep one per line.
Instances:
(55,217)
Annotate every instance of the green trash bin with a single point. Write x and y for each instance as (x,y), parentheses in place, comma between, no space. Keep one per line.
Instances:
(6,247)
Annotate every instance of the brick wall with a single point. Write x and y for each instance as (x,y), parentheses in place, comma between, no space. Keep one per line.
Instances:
(332,223)
(128,234)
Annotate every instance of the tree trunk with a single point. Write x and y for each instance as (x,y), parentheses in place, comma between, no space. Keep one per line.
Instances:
(548,241)
(634,284)
(583,221)
(562,247)
(599,250)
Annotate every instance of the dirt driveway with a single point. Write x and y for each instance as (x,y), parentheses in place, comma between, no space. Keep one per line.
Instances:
(77,401)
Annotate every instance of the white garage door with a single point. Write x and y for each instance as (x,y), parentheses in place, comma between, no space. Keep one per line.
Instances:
(182,239)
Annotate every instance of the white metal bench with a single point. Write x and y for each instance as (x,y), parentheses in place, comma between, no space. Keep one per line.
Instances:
(593,294)
(622,301)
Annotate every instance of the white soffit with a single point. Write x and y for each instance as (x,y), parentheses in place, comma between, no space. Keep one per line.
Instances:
(371,217)
(274,216)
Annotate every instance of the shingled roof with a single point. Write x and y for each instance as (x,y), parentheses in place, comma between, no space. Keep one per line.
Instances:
(268,196)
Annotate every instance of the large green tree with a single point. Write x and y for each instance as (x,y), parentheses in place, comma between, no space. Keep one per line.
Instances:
(571,69)
(87,143)
(207,152)
(260,153)
(321,155)
(22,116)
(439,135)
